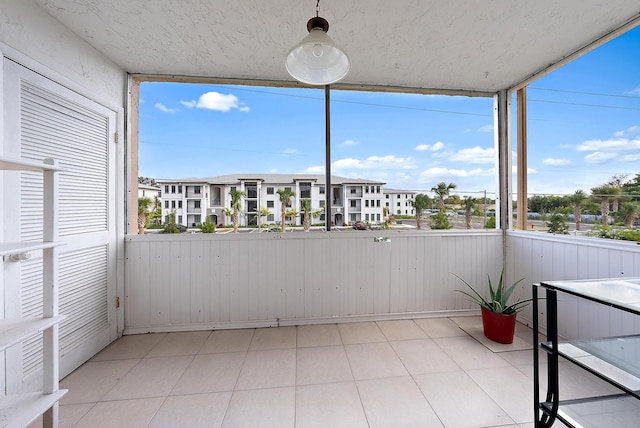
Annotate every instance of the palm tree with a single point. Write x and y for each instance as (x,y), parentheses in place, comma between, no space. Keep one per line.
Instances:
(469,204)
(442,190)
(617,181)
(421,203)
(143,211)
(305,207)
(236,197)
(285,199)
(604,194)
(262,212)
(578,199)
(629,212)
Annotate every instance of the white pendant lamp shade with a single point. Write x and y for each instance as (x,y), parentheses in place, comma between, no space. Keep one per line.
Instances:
(317,60)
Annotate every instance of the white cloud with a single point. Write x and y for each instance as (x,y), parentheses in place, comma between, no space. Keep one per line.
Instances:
(346,143)
(632,130)
(474,155)
(217,101)
(433,148)
(486,128)
(613,145)
(635,91)
(374,162)
(599,157)
(314,170)
(629,158)
(441,173)
(164,108)
(556,162)
(290,151)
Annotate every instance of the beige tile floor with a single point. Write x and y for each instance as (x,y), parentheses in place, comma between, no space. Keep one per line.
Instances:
(399,374)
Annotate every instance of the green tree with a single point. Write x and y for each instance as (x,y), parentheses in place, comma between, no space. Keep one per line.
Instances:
(262,212)
(285,196)
(617,181)
(236,198)
(208,226)
(490,223)
(578,199)
(144,204)
(442,190)
(421,203)
(308,213)
(441,221)
(170,225)
(557,224)
(469,204)
(604,194)
(628,213)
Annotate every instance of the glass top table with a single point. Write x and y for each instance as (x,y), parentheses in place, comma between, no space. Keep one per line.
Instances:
(622,293)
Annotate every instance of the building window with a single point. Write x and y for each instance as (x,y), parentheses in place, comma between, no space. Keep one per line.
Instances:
(378,203)
(322,190)
(166,204)
(378,217)
(399,196)
(179,189)
(287,188)
(270,217)
(366,203)
(179,204)
(173,189)
(366,217)
(352,190)
(352,203)
(386,196)
(270,191)
(232,188)
(322,202)
(196,189)
(270,204)
(377,189)
(166,188)
(179,219)
(196,219)
(366,189)
(387,204)
(173,204)
(305,189)
(196,204)
(398,205)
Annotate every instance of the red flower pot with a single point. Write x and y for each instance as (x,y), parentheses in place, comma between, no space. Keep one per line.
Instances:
(498,327)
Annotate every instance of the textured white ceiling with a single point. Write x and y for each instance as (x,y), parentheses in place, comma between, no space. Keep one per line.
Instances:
(471,45)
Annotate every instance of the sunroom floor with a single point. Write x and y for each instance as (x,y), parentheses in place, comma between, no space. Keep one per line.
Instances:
(400,373)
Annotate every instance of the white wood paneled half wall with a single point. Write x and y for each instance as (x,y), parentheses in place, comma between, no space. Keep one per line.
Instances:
(202,281)
(545,257)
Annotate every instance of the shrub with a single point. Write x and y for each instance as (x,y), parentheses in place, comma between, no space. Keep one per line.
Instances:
(557,224)
(207,226)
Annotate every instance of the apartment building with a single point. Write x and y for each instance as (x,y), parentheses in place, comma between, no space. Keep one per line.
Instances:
(399,202)
(194,200)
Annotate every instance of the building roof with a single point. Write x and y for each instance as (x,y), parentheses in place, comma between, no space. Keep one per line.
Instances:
(481,46)
(283,179)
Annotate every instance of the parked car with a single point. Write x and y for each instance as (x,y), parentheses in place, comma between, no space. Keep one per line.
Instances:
(358,225)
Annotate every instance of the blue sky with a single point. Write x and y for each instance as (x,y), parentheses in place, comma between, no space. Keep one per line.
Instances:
(583,127)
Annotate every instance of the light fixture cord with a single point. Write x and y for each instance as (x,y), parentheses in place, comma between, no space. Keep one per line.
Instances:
(317,8)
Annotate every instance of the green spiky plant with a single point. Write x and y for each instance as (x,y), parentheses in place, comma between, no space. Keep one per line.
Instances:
(498,296)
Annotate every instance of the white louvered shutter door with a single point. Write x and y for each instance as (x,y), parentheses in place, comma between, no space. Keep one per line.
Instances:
(53,121)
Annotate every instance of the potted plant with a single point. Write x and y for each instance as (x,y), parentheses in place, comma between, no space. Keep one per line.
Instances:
(498,316)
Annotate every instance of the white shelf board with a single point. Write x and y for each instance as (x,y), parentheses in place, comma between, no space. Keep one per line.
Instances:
(7,248)
(14,331)
(20,410)
(22,165)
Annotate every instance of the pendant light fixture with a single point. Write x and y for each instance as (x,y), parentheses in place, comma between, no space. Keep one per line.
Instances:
(317,60)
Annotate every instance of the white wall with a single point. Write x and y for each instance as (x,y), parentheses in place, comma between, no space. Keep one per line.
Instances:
(545,257)
(33,34)
(186,282)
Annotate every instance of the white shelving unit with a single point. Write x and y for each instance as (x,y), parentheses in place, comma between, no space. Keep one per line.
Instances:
(18,410)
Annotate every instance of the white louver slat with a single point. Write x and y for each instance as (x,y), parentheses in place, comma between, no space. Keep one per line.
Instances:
(53,121)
